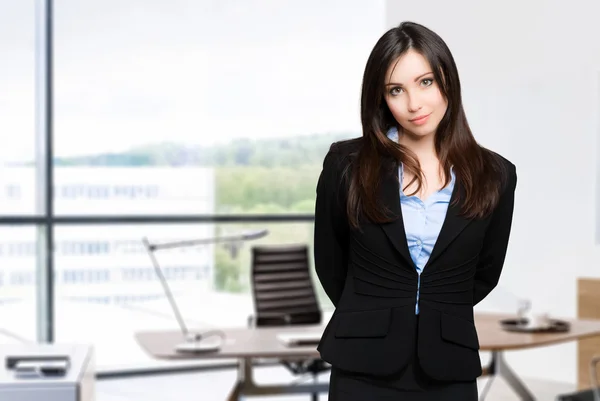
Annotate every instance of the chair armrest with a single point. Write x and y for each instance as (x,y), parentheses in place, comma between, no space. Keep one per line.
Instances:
(594,362)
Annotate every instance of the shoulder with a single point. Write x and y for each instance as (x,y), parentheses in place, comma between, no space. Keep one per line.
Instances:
(346,147)
(340,152)
(337,161)
(503,161)
(506,170)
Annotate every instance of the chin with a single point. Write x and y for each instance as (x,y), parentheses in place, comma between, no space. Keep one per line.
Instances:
(420,132)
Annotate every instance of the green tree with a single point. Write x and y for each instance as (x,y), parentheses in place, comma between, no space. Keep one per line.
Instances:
(227,272)
(250,187)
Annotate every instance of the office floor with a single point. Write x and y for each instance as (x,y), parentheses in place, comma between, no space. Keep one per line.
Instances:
(215,386)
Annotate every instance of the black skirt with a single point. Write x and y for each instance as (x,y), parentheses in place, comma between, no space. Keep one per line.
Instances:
(410,384)
(344,386)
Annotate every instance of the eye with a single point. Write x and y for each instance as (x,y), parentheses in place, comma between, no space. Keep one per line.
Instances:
(395,90)
(428,80)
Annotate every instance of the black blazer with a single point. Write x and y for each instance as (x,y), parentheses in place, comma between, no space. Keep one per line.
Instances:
(371,279)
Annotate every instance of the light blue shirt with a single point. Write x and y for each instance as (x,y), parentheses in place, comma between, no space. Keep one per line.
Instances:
(422,219)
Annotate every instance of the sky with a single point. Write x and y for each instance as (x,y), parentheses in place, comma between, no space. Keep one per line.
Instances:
(134,72)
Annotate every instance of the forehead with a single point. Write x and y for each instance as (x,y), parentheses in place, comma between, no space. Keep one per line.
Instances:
(407,67)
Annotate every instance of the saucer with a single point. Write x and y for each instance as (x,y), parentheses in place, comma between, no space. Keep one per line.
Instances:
(520,325)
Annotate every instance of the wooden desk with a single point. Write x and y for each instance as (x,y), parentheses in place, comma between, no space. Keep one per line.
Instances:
(246,344)
(240,343)
(493,338)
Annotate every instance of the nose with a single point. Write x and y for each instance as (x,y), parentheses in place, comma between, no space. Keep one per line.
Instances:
(414,103)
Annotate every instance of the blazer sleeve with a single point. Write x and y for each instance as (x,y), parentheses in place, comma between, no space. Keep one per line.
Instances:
(495,243)
(331,227)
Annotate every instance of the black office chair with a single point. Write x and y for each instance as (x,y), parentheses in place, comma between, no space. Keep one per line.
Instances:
(284,296)
(592,394)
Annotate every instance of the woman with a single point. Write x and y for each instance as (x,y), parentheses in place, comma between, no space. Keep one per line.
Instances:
(412,224)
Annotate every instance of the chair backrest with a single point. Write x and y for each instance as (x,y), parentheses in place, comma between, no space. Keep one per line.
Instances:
(282,286)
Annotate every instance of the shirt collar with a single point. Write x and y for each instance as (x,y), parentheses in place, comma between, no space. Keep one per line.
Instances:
(393,134)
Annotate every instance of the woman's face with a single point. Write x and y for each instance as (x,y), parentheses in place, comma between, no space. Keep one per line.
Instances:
(412,93)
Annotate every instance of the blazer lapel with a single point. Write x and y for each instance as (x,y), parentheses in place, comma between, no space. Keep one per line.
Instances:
(452,226)
(390,194)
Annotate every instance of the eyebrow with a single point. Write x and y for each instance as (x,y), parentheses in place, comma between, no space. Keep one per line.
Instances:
(416,79)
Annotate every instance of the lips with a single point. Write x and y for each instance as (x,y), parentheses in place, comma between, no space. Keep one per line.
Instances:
(420,118)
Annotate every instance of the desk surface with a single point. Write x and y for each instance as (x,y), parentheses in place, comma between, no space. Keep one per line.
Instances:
(493,337)
(239,343)
(263,342)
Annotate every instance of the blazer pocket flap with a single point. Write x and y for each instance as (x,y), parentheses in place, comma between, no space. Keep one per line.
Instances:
(369,323)
(459,331)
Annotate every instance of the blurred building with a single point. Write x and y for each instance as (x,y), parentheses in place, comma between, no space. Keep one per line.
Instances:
(107,263)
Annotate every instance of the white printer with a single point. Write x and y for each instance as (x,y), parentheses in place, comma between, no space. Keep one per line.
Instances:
(47,372)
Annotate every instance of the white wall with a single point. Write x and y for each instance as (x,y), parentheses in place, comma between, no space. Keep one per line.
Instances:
(530,76)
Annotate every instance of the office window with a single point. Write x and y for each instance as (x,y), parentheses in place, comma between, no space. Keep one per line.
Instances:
(12,191)
(17,152)
(202,106)
(191,107)
(17,108)
(17,287)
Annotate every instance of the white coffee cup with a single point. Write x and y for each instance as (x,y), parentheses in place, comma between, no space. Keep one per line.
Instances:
(541,321)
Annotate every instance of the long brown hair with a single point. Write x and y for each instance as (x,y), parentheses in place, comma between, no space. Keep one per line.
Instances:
(478,170)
